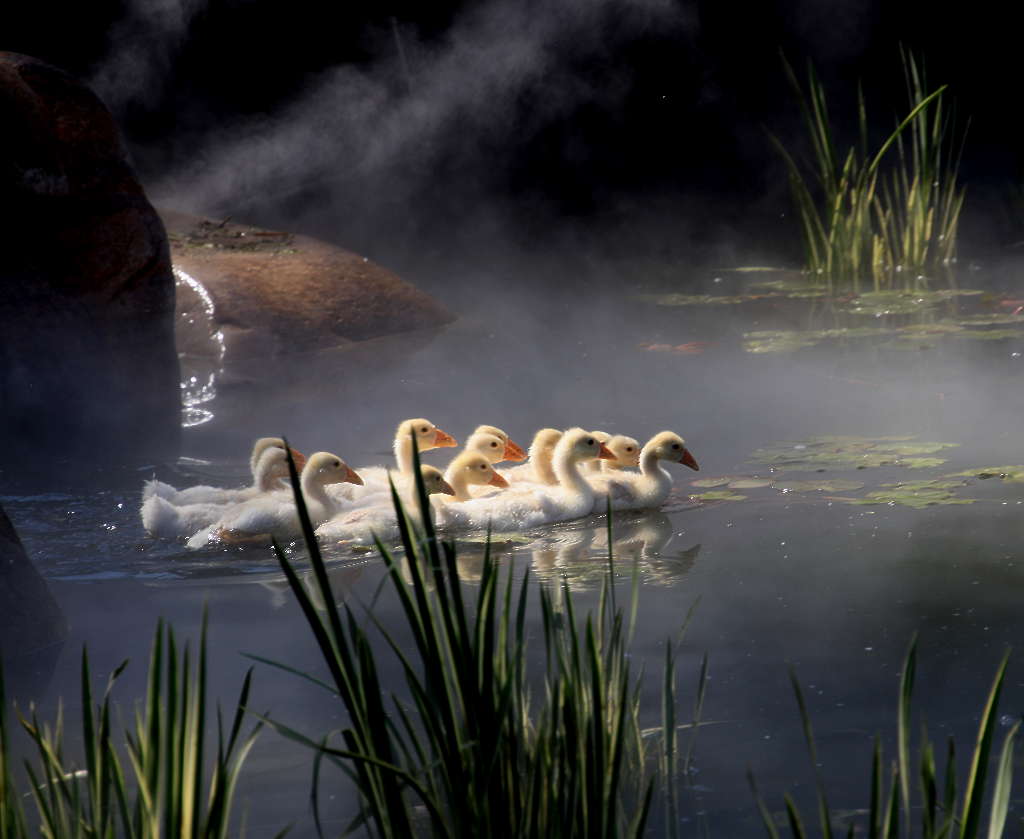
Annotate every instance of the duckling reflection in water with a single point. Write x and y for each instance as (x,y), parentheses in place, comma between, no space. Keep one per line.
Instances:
(580,554)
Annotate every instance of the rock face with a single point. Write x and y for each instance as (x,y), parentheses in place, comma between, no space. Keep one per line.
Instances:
(88,369)
(262,312)
(30,619)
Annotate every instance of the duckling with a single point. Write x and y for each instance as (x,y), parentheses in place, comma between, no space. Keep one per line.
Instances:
(275,514)
(203,494)
(649,488)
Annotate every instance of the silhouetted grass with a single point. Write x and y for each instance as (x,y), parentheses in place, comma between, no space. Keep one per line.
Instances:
(474,751)
(866,219)
(940,808)
(147,783)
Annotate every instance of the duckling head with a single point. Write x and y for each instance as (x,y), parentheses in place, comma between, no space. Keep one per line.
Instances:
(434,482)
(489,445)
(626,450)
(579,445)
(428,435)
(512,451)
(326,468)
(263,444)
(667,445)
(474,468)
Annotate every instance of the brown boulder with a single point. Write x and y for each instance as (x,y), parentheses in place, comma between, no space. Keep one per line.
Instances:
(88,368)
(264,310)
(30,619)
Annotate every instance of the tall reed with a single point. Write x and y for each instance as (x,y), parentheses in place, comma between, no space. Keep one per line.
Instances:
(149,785)
(943,811)
(866,222)
(475,750)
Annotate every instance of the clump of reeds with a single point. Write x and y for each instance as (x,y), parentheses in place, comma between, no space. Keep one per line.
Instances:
(885,218)
(473,750)
(147,784)
(942,809)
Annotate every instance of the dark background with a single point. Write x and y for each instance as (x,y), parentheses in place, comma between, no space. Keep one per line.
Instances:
(405,129)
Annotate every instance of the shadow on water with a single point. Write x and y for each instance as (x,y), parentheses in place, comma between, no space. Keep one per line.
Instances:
(814,578)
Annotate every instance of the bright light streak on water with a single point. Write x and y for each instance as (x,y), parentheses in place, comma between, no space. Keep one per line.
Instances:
(197,390)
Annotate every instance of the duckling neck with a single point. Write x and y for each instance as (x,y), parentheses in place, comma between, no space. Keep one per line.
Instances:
(267,480)
(567,472)
(543,471)
(458,481)
(651,469)
(315,496)
(403,454)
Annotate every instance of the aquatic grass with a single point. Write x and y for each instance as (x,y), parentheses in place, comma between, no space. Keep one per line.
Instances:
(861,221)
(943,810)
(476,748)
(151,784)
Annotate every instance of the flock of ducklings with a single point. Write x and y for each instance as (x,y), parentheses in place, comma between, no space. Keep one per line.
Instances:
(567,475)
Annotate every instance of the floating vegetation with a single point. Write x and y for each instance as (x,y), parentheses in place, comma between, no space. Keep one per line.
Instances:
(902,301)
(823,485)
(710,482)
(750,483)
(907,497)
(1014,474)
(818,454)
(890,225)
(719,495)
(911,336)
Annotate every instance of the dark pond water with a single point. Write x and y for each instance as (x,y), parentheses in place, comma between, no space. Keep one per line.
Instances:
(807,579)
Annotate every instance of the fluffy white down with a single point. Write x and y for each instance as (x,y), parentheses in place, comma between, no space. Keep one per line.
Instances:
(533,505)
(275,513)
(649,488)
(203,494)
(162,518)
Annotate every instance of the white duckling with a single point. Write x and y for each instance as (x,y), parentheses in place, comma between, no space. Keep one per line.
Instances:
(535,505)
(649,488)
(594,466)
(203,494)
(538,469)
(275,514)
(360,525)
(428,436)
(626,451)
(468,469)
(512,450)
(162,518)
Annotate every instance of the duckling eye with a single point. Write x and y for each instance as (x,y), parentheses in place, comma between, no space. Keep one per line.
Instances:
(590,442)
(337,464)
(629,448)
(675,445)
(483,466)
(424,430)
(494,445)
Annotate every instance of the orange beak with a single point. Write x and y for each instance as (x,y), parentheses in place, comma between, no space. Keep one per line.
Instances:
(352,477)
(445,488)
(443,440)
(513,452)
(299,458)
(497,481)
(606,453)
(688,460)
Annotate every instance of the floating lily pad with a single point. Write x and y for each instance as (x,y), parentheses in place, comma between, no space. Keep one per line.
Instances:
(926,486)
(750,483)
(876,303)
(720,495)
(917,499)
(1014,474)
(818,454)
(710,482)
(989,334)
(827,485)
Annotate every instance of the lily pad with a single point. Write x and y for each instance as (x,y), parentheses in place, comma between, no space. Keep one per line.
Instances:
(750,483)
(818,454)
(826,485)
(917,499)
(710,482)
(927,486)
(720,495)
(1014,474)
(877,303)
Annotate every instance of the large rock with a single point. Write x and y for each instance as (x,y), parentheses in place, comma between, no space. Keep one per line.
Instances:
(261,313)
(30,620)
(88,369)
